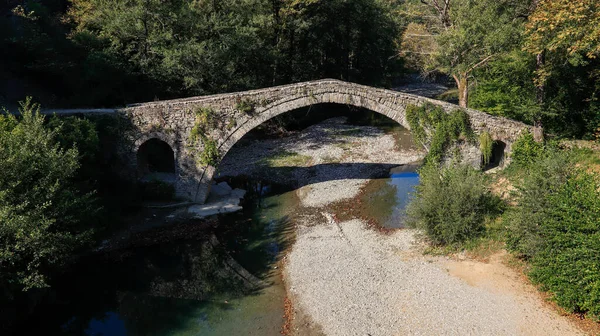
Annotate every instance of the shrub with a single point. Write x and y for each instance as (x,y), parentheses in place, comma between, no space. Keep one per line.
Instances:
(556,226)
(451,204)
(526,150)
(524,221)
(43,217)
(568,261)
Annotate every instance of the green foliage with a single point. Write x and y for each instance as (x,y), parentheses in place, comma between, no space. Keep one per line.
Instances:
(437,130)
(76,132)
(206,120)
(42,217)
(246,106)
(543,177)
(210,156)
(526,150)
(486,145)
(556,226)
(449,40)
(567,262)
(451,220)
(505,87)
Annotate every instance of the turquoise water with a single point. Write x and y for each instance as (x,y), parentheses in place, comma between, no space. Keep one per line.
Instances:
(181,287)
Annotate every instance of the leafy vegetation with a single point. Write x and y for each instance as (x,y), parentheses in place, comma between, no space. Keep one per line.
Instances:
(43,218)
(111,53)
(245,106)
(534,61)
(526,150)
(486,145)
(451,220)
(460,36)
(437,130)
(555,226)
(206,120)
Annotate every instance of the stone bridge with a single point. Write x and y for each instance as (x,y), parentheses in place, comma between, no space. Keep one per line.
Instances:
(164,127)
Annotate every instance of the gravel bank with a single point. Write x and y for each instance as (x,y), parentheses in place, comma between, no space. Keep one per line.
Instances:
(354,281)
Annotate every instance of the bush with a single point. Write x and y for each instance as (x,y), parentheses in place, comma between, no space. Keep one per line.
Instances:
(568,261)
(556,226)
(451,204)
(43,218)
(526,150)
(524,221)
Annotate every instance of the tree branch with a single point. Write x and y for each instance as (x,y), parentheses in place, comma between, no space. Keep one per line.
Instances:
(482,62)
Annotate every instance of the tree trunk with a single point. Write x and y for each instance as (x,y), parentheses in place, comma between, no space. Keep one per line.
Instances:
(541,87)
(463,89)
(538,131)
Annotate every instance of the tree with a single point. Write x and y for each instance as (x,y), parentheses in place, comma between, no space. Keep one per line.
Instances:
(572,27)
(468,34)
(352,40)
(564,35)
(43,218)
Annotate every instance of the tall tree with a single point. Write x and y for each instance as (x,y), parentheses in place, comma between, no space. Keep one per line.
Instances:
(464,36)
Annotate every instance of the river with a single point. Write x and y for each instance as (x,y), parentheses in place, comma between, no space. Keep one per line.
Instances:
(178,288)
(181,286)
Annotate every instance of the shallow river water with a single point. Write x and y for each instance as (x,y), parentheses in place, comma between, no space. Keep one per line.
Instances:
(178,288)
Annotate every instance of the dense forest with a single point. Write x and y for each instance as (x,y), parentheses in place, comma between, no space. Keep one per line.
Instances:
(534,61)
(528,60)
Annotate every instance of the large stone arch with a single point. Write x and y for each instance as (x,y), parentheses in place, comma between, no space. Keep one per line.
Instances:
(285,106)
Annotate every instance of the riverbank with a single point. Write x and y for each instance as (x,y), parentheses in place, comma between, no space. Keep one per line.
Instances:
(344,278)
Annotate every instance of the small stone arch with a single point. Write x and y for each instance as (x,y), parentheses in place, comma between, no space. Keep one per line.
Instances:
(156,159)
(498,155)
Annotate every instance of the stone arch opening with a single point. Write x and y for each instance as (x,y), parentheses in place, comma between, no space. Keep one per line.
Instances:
(497,158)
(156,160)
(352,121)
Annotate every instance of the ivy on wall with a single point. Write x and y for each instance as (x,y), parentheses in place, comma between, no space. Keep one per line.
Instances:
(437,130)
(486,145)
(206,119)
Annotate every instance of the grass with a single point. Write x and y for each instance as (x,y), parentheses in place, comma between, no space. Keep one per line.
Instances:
(286,159)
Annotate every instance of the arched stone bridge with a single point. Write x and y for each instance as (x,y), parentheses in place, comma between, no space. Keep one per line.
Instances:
(172,121)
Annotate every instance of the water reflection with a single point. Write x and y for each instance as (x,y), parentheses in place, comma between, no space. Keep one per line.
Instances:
(225,282)
(385,200)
